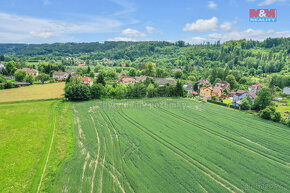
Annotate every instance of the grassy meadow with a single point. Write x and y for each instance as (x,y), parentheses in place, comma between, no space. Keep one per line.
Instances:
(27,130)
(173,145)
(34,92)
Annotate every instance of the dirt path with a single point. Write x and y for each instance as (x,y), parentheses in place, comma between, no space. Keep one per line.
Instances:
(49,150)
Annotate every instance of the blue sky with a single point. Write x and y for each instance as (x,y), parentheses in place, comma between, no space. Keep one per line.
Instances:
(194,21)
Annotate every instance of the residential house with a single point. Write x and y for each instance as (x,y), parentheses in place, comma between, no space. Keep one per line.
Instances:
(241,94)
(189,88)
(81,64)
(217,91)
(71,71)
(29,71)
(128,80)
(60,75)
(222,84)
(87,80)
(164,81)
(2,67)
(205,92)
(203,83)
(286,91)
(256,88)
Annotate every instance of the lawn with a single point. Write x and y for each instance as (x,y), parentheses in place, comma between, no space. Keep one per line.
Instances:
(27,131)
(34,92)
(174,145)
(283,107)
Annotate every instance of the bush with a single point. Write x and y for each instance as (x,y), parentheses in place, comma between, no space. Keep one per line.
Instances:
(266,114)
(77,92)
(216,102)
(245,105)
(20,75)
(276,117)
(97,91)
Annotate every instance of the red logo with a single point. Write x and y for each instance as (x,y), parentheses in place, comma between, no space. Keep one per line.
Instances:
(260,13)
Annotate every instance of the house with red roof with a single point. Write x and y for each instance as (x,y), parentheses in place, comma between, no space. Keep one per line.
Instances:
(88,81)
(256,88)
(217,91)
(128,80)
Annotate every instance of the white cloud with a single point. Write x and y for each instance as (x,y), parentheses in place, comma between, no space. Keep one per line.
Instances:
(202,25)
(150,29)
(132,33)
(226,26)
(269,2)
(249,34)
(122,39)
(195,40)
(46,28)
(212,5)
(42,34)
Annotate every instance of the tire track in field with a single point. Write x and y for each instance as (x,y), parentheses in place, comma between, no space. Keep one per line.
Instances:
(49,150)
(104,157)
(120,156)
(202,188)
(85,164)
(240,135)
(253,125)
(226,138)
(180,153)
(112,143)
(98,154)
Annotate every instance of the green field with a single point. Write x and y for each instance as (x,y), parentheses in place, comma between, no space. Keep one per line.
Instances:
(35,138)
(174,145)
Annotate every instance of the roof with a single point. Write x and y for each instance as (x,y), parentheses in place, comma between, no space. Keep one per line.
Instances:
(163,81)
(188,86)
(203,82)
(29,70)
(253,95)
(87,79)
(81,64)
(195,93)
(60,73)
(128,79)
(257,84)
(217,89)
(222,84)
(240,92)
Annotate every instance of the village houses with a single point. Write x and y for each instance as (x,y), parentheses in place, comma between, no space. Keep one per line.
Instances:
(30,71)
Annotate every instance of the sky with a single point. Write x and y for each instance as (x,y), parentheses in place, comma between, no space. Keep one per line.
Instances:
(193,21)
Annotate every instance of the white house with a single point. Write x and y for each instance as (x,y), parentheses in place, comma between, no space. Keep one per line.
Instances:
(286,90)
(2,67)
(60,75)
(240,95)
